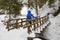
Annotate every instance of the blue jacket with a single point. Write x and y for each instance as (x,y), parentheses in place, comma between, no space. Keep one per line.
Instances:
(30,15)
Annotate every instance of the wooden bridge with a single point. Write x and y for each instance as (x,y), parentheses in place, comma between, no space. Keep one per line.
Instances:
(32,24)
(35,23)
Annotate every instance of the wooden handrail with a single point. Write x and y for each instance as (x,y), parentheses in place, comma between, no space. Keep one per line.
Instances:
(35,22)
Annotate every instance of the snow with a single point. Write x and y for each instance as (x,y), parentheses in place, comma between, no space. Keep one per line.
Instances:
(24,10)
(36,39)
(44,10)
(53,31)
(21,34)
(31,35)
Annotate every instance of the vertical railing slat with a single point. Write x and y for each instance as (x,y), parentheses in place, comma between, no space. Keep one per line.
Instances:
(16,24)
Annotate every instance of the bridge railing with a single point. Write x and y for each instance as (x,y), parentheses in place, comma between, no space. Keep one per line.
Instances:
(17,23)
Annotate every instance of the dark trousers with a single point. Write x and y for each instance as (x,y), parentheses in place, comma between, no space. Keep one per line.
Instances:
(29,20)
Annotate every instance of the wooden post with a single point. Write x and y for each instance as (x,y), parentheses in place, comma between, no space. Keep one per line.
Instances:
(29,30)
(44,19)
(16,23)
(21,23)
(8,25)
(39,21)
(34,24)
(28,26)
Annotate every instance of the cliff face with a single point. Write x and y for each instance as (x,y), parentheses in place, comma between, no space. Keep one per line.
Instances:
(52,32)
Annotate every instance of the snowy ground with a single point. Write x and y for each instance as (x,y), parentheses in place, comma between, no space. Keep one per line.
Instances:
(53,31)
(20,34)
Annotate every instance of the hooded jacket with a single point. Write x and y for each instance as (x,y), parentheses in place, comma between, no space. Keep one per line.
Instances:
(30,15)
